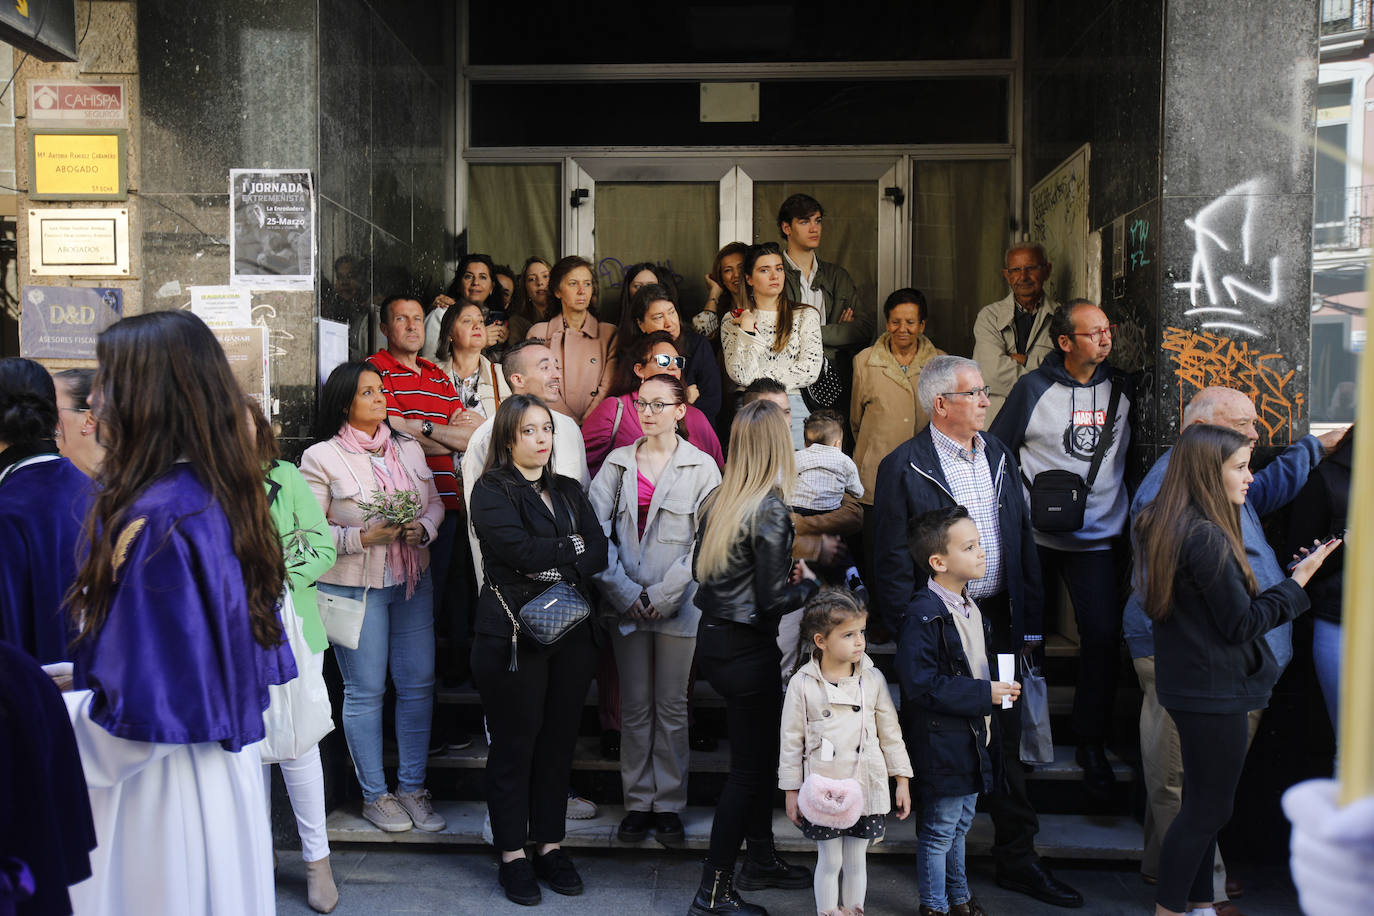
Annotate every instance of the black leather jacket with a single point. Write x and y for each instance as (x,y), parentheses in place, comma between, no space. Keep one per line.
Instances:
(754,589)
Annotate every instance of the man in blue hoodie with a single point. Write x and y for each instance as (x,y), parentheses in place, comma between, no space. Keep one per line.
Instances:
(1057,418)
(1273,487)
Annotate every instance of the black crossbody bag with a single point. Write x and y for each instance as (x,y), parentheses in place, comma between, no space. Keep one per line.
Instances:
(1058,498)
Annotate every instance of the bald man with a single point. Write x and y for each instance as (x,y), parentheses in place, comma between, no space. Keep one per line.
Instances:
(1273,488)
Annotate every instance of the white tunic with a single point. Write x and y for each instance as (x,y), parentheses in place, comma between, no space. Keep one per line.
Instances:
(181,828)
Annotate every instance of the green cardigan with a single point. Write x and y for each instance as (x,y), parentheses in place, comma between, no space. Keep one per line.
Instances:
(306,542)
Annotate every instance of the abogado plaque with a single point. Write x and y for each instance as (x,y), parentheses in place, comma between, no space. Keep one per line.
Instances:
(80,242)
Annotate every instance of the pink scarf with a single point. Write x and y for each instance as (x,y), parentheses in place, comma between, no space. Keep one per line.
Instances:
(400,556)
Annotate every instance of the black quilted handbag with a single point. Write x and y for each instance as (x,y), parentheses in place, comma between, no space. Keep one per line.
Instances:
(825,390)
(547,617)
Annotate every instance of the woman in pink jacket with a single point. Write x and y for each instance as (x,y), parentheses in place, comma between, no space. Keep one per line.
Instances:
(615,422)
(585,347)
(357,458)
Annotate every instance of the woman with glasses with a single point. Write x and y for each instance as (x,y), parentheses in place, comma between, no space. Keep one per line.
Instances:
(773,337)
(616,421)
(478,380)
(77,437)
(648,494)
(44,499)
(653,307)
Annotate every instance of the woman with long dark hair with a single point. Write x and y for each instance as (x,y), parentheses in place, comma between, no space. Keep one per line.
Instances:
(725,288)
(536,530)
(747,579)
(309,552)
(653,308)
(529,304)
(1211,660)
(358,460)
(774,337)
(175,606)
(614,422)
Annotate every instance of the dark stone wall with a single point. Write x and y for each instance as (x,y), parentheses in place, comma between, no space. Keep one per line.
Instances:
(325,85)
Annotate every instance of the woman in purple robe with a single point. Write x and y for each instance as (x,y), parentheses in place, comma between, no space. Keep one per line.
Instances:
(178,635)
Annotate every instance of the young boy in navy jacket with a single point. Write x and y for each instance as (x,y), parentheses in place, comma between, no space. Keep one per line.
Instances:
(948,697)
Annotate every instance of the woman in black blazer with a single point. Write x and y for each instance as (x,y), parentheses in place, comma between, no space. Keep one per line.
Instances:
(1211,660)
(535,529)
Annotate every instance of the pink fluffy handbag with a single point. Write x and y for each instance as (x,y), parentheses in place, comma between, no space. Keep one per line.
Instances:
(828,802)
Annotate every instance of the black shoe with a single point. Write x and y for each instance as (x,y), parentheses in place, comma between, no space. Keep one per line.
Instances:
(556,869)
(1098,778)
(517,880)
(716,896)
(459,741)
(701,741)
(763,867)
(635,827)
(668,828)
(1035,880)
(610,744)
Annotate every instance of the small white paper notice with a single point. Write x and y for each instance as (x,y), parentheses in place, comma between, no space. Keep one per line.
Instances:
(223,306)
(1006,673)
(333,346)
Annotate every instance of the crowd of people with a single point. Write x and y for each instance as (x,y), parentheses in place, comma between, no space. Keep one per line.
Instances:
(745,498)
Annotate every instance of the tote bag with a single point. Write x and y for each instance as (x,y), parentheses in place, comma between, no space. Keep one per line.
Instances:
(298,714)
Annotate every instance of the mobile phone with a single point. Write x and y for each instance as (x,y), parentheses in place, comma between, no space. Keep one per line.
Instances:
(1294,564)
(498,316)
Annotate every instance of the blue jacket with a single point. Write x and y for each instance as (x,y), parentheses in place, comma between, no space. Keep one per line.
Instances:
(1273,488)
(943,705)
(1051,421)
(910,482)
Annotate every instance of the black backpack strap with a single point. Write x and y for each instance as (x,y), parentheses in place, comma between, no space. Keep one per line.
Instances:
(1108,432)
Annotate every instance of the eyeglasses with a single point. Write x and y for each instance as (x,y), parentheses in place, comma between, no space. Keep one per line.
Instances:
(653,408)
(663,361)
(985,391)
(76,409)
(1097,333)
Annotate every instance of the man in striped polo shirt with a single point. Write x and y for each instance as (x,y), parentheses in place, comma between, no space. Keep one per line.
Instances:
(421,402)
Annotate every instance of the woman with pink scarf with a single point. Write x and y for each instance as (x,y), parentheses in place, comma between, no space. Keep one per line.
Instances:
(357,463)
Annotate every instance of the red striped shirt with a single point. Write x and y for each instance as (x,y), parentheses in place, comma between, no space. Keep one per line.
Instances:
(424,395)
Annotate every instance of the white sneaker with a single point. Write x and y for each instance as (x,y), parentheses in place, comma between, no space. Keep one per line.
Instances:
(386,813)
(421,810)
(579,809)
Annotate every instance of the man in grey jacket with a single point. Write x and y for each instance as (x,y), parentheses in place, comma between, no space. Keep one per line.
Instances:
(1011,336)
(846,323)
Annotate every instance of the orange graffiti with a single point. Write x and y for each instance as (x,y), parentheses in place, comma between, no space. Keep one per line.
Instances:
(1202,359)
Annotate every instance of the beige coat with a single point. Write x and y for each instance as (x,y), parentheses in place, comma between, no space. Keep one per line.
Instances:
(832,712)
(883,411)
(587,358)
(994,338)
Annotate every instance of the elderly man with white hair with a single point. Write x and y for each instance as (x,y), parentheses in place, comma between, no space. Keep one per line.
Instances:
(1274,487)
(952,462)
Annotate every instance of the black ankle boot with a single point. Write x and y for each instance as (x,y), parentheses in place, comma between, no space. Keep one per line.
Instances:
(763,867)
(716,895)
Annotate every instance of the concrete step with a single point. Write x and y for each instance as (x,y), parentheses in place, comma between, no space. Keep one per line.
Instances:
(588,757)
(705,697)
(1062,836)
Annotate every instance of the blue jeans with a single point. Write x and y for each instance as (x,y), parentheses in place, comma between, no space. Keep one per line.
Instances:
(1326,657)
(398,631)
(940,850)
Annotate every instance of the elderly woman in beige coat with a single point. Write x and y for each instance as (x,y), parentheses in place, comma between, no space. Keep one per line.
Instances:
(883,411)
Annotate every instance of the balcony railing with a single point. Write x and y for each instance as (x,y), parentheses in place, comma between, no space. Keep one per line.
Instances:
(1344,219)
(1340,17)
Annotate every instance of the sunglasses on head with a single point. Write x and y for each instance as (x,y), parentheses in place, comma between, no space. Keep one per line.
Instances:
(663,361)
